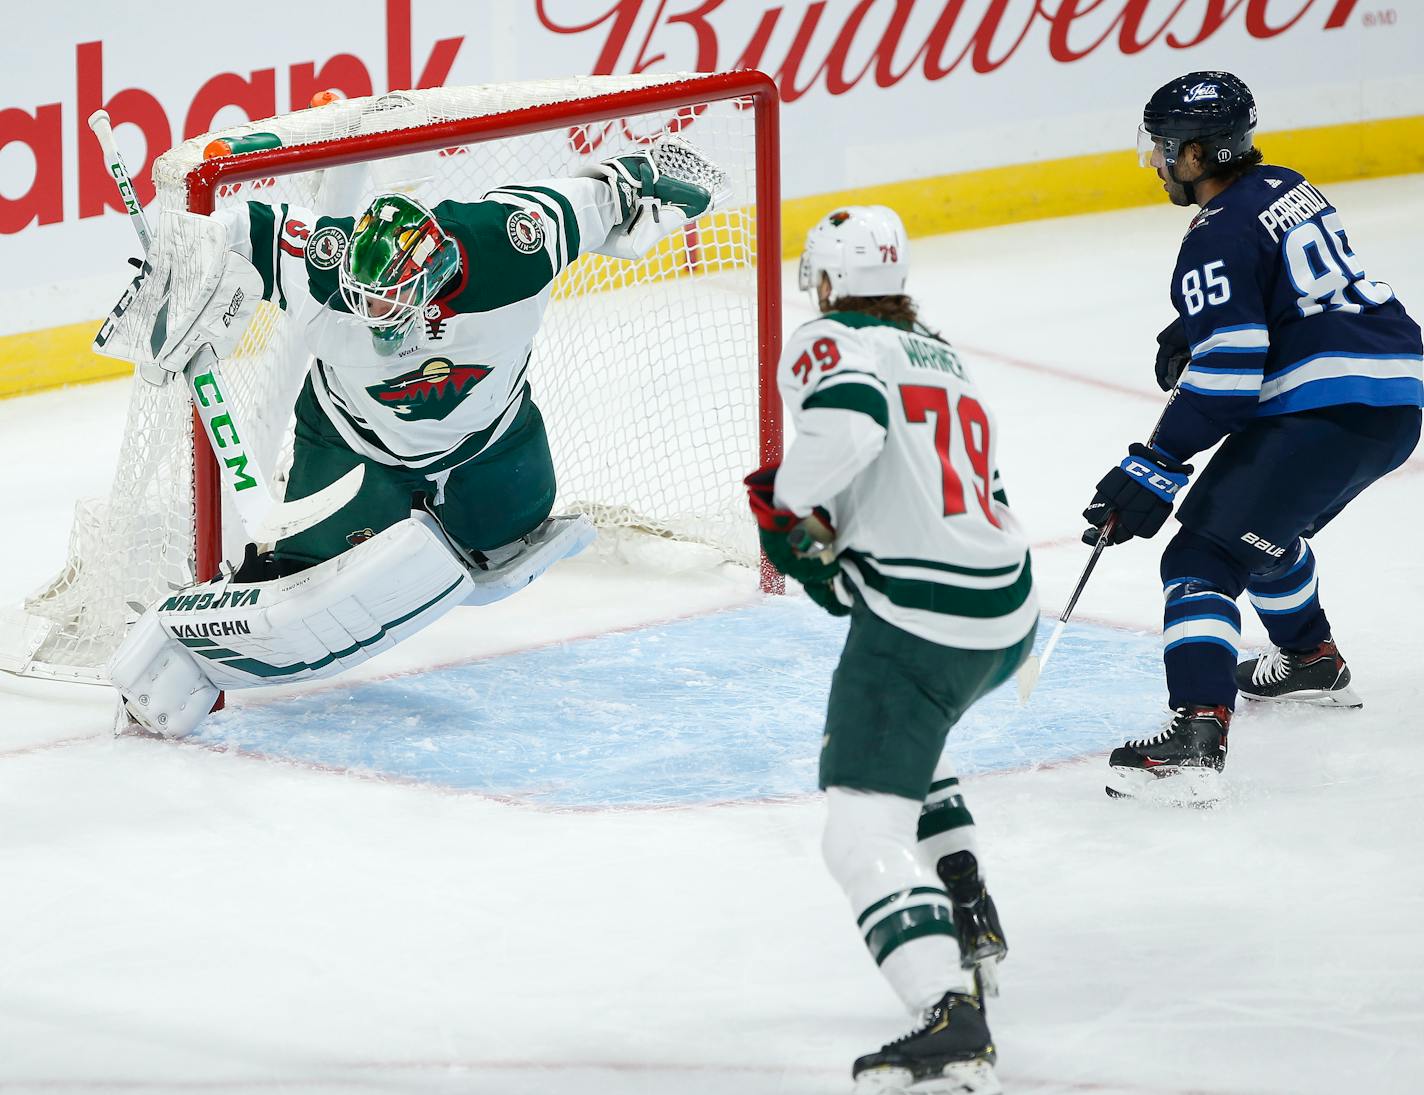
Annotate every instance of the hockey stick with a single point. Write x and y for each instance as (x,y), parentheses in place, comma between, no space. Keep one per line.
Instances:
(265,518)
(1032,669)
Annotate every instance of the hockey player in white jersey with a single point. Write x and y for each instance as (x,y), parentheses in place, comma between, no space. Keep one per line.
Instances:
(887,507)
(420,323)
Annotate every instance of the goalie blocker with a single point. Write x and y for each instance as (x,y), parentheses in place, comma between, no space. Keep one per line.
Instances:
(229,634)
(192,293)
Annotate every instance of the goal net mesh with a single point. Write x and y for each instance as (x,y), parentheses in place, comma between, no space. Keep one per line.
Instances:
(646,372)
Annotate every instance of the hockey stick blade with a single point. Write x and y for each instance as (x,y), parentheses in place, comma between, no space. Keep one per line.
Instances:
(1032,667)
(284,519)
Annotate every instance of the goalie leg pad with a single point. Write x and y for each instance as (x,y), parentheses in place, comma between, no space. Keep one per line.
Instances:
(320,621)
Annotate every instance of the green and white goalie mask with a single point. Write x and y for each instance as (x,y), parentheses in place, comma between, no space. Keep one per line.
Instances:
(398,260)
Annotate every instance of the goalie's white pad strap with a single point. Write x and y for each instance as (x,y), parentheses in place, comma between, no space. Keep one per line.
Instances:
(191,292)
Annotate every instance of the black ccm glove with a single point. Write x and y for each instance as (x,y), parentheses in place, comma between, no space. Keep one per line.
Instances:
(1173,354)
(1139,492)
(799,547)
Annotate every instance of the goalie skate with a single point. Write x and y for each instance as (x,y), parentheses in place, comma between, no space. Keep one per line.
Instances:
(510,568)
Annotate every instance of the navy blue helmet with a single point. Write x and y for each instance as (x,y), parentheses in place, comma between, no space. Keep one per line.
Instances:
(1214,109)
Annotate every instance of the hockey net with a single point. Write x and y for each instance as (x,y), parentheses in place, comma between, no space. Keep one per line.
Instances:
(655,377)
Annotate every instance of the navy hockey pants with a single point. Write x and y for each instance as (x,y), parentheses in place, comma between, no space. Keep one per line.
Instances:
(1245,524)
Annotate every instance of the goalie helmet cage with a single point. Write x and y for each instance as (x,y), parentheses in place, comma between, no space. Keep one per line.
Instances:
(657,378)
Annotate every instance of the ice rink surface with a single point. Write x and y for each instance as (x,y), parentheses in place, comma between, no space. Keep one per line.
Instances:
(570,842)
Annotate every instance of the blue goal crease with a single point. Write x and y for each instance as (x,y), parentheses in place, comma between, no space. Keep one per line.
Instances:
(727,707)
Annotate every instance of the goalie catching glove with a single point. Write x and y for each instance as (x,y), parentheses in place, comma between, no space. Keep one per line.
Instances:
(192,293)
(657,192)
(799,547)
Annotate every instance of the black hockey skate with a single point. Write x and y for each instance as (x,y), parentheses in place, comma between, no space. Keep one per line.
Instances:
(951,1054)
(982,945)
(1180,765)
(1319,676)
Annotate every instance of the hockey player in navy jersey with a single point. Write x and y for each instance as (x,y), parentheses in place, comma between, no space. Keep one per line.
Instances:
(1309,370)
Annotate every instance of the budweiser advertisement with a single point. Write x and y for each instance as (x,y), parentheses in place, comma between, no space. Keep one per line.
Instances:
(874,91)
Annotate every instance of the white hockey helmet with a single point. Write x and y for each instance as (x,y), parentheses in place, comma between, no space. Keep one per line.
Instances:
(863,249)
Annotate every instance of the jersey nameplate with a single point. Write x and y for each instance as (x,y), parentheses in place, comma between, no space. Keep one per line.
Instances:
(924,354)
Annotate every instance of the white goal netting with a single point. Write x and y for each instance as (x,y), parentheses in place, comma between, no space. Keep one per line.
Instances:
(646,372)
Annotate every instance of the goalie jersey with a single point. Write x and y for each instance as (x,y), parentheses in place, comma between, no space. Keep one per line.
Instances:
(459,379)
(894,441)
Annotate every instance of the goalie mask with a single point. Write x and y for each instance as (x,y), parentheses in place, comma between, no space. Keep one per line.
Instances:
(863,249)
(398,260)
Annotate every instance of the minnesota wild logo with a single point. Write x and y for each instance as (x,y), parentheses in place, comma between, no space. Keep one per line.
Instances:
(432,391)
(839,217)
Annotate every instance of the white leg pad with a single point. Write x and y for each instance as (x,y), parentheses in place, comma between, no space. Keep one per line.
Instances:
(318,623)
(324,620)
(163,687)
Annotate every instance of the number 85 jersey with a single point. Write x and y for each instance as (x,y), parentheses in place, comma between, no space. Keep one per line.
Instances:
(893,439)
(1280,315)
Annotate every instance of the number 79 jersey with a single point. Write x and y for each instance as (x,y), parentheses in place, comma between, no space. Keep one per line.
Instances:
(924,533)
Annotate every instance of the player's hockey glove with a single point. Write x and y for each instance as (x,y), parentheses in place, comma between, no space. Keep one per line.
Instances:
(1139,493)
(1173,354)
(799,547)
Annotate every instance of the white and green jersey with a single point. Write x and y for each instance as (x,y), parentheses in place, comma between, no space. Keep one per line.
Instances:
(894,441)
(458,380)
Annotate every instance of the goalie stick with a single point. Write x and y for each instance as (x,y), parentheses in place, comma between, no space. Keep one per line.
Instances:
(1032,669)
(265,518)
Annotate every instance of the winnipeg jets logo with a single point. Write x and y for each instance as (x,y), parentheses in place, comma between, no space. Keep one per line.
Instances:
(1200,93)
(1200,219)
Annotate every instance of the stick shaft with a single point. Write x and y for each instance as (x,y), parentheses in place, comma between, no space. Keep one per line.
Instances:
(99,123)
(1103,536)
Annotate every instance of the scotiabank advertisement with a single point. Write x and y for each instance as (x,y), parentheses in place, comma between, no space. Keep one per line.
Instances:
(873,91)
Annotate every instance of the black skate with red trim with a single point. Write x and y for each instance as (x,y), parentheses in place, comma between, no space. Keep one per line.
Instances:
(1181,764)
(1317,676)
